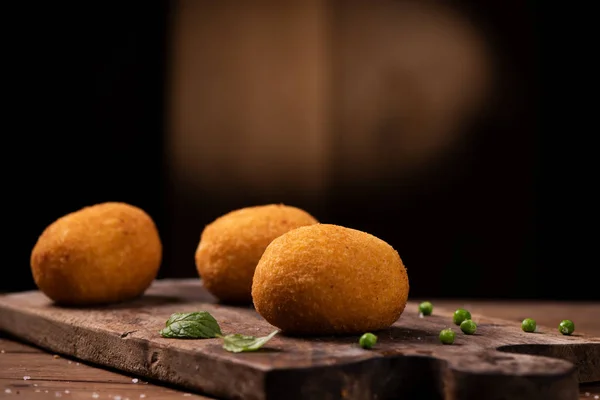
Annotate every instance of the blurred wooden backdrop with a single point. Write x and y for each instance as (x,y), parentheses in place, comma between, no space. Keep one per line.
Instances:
(395,117)
(416,121)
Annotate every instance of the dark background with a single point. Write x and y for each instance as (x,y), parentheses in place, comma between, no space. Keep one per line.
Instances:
(512,216)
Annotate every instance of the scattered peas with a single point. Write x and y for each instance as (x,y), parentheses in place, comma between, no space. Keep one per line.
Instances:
(447,336)
(528,325)
(367,340)
(566,327)
(426,308)
(460,315)
(468,326)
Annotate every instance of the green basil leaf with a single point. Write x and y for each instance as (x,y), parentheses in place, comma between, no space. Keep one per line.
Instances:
(238,343)
(194,325)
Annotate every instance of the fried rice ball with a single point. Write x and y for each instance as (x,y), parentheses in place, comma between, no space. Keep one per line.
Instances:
(231,246)
(100,254)
(328,279)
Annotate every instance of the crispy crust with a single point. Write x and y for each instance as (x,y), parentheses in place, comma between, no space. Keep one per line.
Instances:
(105,253)
(231,246)
(328,279)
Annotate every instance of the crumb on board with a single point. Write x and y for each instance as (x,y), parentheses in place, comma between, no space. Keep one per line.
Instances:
(56,356)
(135,380)
(26,378)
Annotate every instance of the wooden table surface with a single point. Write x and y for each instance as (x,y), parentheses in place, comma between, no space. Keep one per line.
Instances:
(27,372)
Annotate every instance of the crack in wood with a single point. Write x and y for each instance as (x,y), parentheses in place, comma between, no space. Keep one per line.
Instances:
(125,334)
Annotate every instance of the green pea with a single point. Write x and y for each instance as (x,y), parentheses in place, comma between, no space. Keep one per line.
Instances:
(460,315)
(367,340)
(447,336)
(566,327)
(426,308)
(468,326)
(528,325)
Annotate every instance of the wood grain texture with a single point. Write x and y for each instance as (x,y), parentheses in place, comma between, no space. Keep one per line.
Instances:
(407,360)
(106,384)
(29,373)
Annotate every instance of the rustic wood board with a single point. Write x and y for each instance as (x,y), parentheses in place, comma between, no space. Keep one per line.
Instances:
(498,362)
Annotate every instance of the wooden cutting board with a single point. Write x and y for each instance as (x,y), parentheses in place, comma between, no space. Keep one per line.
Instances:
(499,362)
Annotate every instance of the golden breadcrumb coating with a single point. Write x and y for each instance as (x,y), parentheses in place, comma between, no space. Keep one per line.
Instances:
(328,279)
(231,246)
(105,253)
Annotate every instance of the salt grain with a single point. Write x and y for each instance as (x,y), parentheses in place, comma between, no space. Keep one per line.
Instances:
(421,315)
(7,391)
(76,363)
(26,378)
(67,392)
(58,394)
(135,380)
(142,396)
(35,384)
(187,394)
(587,394)
(70,362)
(117,397)
(95,395)
(597,397)
(2,351)
(37,390)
